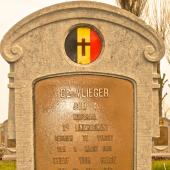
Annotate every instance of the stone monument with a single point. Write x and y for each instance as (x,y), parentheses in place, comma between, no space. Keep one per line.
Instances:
(161,145)
(83,88)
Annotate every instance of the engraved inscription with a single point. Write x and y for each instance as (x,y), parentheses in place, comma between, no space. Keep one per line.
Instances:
(80,106)
(91,148)
(91,127)
(61,149)
(107,148)
(81,123)
(105,137)
(108,160)
(85,138)
(84,93)
(64,138)
(85,160)
(61,160)
(66,127)
(84,117)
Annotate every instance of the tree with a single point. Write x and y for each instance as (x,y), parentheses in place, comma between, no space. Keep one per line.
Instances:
(157,14)
(134,6)
(166,110)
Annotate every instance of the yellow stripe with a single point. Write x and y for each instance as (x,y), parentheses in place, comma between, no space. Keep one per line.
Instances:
(83,33)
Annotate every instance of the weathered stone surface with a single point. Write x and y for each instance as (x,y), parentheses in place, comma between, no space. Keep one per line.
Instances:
(85,123)
(35,50)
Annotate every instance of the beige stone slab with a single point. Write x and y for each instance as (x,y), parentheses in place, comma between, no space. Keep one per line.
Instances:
(35,50)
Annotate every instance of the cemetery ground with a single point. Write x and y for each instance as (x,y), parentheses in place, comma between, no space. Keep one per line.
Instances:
(157,165)
(7,165)
(161,165)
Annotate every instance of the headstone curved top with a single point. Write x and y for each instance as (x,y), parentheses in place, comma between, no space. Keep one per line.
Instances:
(11,51)
(83,88)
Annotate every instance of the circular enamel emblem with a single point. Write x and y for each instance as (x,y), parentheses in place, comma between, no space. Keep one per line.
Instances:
(83,45)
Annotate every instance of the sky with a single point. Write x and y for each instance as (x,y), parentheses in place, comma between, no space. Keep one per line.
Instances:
(12,11)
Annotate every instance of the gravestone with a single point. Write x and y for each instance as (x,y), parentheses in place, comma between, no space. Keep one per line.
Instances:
(161,145)
(84,85)
(163,139)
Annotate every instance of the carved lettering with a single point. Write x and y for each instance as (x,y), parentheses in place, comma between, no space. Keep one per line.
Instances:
(86,132)
(108,160)
(91,148)
(64,138)
(84,117)
(95,106)
(85,160)
(61,160)
(85,138)
(84,93)
(105,138)
(80,106)
(91,127)
(61,149)
(66,127)
(107,148)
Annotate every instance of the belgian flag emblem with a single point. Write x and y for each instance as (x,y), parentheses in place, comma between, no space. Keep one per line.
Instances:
(83,45)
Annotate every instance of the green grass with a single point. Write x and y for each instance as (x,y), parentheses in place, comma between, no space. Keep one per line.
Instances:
(7,165)
(159,165)
(156,165)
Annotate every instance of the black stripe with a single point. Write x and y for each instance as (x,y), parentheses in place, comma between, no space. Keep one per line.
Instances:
(71,45)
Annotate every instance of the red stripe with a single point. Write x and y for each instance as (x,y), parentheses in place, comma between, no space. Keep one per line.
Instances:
(95,45)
